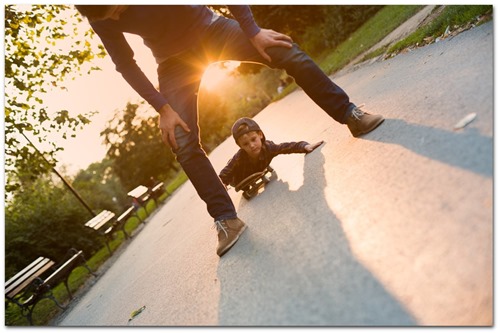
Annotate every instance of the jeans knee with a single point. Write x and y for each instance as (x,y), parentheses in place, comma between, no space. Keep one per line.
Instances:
(286,57)
(188,146)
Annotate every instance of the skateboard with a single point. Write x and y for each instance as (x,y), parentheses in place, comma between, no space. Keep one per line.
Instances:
(251,185)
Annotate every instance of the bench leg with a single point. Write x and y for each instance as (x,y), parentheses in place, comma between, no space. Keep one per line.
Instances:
(127,236)
(29,316)
(27,311)
(67,288)
(51,296)
(136,214)
(84,264)
(107,246)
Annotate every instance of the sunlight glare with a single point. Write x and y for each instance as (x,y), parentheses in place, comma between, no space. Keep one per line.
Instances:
(217,73)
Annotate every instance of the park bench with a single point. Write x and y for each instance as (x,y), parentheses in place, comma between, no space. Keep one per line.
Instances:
(104,224)
(122,219)
(30,285)
(141,194)
(156,191)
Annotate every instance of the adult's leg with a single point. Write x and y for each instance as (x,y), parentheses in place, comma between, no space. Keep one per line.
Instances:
(179,80)
(226,41)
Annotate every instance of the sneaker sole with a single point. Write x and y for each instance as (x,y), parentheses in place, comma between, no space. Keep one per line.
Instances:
(230,245)
(371,128)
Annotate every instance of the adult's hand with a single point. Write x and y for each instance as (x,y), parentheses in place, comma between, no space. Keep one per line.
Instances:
(268,38)
(168,120)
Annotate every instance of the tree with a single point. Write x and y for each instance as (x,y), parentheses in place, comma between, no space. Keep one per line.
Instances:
(42,50)
(101,187)
(135,147)
(44,220)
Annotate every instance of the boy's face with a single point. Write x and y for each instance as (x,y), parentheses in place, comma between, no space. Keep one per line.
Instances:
(251,143)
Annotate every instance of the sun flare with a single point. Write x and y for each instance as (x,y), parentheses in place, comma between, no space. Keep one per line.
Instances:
(217,73)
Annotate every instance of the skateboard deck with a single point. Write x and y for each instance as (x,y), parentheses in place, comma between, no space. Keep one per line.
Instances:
(251,185)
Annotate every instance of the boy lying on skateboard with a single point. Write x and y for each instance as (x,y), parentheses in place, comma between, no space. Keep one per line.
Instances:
(255,155)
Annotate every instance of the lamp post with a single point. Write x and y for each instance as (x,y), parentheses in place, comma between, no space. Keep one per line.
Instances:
(68,185)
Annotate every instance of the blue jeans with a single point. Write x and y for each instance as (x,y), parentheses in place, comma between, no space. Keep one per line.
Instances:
(180,77)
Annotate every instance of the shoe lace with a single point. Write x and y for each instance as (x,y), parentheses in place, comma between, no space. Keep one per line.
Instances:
(220,225)
(357,113)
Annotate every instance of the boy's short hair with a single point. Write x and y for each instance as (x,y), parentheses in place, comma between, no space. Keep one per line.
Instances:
(92,12)
(243,126)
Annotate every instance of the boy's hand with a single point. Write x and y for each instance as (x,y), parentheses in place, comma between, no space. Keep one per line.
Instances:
(167,122)
(309,148)
(268,38)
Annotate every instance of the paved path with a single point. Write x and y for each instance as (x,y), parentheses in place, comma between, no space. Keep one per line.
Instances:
(395,228)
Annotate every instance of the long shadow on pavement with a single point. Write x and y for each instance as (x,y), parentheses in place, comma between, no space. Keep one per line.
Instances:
(466,149)
(294,267)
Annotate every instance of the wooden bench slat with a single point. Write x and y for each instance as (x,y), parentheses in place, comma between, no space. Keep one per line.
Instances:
(126,214)
(28,281)
(98,221)
(29,277)
(138,192)
(30,270)
(102,215)
(99,224)
(105,214)
(68,265)
(91,223)
(157,187)
(30,266)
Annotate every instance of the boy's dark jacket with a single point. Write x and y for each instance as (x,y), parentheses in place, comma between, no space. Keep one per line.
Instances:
(241,166)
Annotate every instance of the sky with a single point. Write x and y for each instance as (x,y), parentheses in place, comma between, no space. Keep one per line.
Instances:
(103,91)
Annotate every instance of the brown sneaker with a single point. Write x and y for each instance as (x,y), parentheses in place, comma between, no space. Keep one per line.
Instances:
(228,232)
(360,122)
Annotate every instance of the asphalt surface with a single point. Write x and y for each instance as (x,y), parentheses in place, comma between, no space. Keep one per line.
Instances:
(394,228)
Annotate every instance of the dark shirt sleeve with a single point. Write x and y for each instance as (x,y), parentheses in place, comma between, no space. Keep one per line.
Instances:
(244,16)
(123,57)
(287,148)
(227,175)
